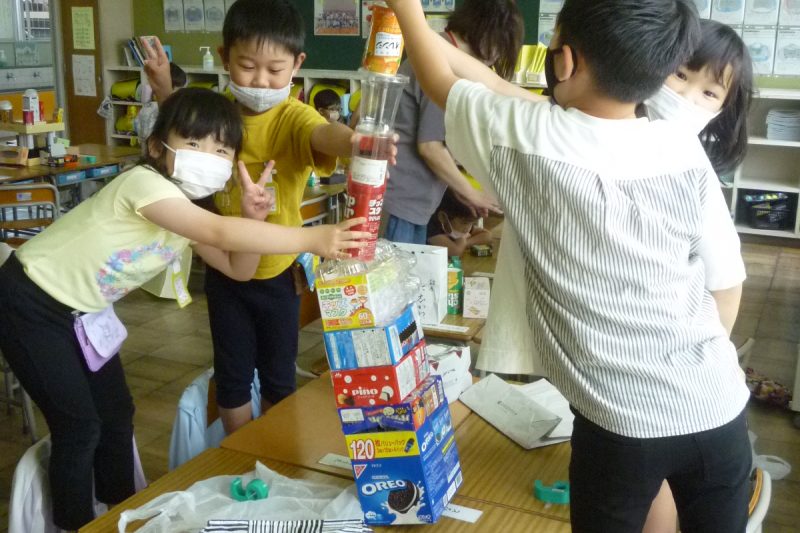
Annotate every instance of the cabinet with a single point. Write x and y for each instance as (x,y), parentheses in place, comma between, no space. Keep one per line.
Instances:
(217,79)
(770,166)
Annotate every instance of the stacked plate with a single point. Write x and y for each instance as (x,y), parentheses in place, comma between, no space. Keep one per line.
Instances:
(783,124)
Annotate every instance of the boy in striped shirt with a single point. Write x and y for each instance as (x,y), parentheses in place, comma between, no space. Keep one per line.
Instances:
(632,264)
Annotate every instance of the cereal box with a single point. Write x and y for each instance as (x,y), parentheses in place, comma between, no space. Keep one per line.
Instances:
(408,414)
(358,348)
(406,477)
(380,385)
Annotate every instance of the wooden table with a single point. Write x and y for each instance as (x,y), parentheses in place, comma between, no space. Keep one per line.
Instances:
(217,462)
(106,155)
(303,428)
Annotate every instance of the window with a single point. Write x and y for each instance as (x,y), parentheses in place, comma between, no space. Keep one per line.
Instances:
(35,20)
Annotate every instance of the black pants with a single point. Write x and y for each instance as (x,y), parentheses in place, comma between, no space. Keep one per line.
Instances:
(90,414)
(613,479)
(254,325)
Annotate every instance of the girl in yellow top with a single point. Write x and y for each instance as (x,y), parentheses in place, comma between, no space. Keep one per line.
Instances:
(109,245)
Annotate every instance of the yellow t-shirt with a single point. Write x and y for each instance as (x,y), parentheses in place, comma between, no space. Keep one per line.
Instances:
(104,248)
(282,134)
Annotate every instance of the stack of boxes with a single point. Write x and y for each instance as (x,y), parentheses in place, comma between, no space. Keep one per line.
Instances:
(394,414)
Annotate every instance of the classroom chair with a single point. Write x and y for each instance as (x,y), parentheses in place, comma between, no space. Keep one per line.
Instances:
(29,504)
(26,209)
(197,425)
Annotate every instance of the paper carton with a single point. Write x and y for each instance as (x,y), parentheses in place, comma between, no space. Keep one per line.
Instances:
(477,293)
(358,348)
(452,364)
(380,385)
(406,477)
(408,414)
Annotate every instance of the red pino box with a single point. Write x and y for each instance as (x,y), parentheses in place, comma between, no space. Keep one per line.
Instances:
(381,385)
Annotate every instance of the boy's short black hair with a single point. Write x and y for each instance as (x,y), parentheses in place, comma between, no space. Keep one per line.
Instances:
(630,46)
(178,76)
(195,113)
(455,208)
(326,98)
(276,21)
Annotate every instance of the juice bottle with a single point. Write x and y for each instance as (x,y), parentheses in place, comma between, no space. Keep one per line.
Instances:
(384,47)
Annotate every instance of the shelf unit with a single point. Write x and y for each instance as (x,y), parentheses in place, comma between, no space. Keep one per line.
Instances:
(770,165)
(219,78)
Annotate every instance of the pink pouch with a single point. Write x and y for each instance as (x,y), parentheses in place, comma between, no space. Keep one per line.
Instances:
(100,336)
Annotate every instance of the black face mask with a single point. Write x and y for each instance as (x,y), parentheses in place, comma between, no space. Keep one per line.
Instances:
(550,71)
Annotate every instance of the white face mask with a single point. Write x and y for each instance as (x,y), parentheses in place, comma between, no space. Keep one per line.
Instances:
(666,104)
(333,116)
(259,99)
(200,174)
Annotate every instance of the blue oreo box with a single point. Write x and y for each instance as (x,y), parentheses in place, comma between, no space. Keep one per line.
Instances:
(406,477)
(386,345)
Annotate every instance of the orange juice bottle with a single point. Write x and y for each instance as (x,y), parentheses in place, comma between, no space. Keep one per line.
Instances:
(385,44)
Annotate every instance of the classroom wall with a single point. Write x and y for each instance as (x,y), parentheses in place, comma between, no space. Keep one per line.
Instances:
(324,52)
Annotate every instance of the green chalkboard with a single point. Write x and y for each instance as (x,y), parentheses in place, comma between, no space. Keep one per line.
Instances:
(324,52)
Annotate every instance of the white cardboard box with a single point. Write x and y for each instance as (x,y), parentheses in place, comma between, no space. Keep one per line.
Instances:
(760,41)
(787,52)
(477,294)
(452,364)
(431,269)
(728,11)
(761,12)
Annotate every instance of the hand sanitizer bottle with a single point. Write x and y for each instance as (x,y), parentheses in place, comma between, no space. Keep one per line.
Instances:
(208,59)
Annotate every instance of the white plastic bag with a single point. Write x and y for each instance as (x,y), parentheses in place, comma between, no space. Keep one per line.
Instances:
(289,499)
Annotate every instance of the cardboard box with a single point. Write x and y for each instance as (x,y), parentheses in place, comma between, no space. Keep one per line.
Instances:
(348,302)
(380,385)
(359,348)
(761,12)
(728,11)
(452,364)
(477,292)
(760,41)
(431,269)
(787,52)
(408,414)
(406,477)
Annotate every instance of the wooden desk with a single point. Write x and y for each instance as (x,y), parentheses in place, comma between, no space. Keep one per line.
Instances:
(303,428)
(216,462)
(106,155)
(499,471)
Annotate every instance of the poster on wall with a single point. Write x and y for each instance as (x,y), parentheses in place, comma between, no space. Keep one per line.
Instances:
(336,17)
(82,28)
(215,14)
(173,15)
(83,73)
(193,17)
(438,6)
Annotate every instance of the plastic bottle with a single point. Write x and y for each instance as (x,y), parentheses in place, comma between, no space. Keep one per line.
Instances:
(6,111)
(384,48)
(30,107)
(208,59)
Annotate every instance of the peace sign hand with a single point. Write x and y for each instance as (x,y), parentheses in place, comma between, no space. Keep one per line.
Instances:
(257,202)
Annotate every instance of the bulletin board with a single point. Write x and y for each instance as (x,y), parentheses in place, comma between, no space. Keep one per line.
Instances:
(324,52)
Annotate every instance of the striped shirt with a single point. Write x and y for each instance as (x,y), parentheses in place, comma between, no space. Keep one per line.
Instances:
(624,231)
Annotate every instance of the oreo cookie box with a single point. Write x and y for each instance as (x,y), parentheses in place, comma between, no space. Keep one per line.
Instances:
(406,477)
(358,348)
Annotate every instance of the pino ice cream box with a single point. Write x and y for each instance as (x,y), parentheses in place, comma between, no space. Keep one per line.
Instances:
(408,414)
(358,348)
(406,477)
(380,385)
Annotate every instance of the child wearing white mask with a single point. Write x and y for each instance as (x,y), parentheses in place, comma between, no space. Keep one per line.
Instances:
(711,95)
(110,244)
(255,324)
(453,226)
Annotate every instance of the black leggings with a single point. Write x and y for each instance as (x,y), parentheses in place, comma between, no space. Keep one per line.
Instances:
(90,414)
(613,479)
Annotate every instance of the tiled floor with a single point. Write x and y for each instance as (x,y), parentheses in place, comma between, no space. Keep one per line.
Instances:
(167,348)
